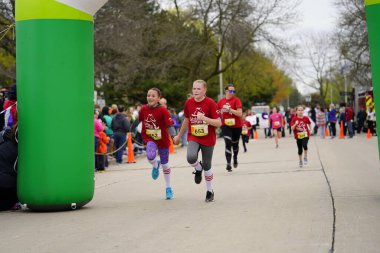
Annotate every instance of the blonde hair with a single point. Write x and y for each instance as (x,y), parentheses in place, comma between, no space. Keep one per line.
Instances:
(201,82)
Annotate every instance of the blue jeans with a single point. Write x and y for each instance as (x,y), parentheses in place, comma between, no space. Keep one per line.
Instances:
(120,139)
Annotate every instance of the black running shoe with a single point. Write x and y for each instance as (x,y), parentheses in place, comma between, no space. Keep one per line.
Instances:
(235,164)
(229,168)
(197,176)
(209,196)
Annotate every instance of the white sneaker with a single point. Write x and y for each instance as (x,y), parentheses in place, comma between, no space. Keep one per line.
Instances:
(305,160)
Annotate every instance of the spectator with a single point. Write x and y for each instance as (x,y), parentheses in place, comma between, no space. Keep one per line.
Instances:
(332,121)
(8,169)
(361,117)
(120,127)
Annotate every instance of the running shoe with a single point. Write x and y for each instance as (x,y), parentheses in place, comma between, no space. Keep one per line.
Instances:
(156,171)
(300,163)
(169,193)
(235,164)
(209,196)
(229,168)
(305,160)
(197,176)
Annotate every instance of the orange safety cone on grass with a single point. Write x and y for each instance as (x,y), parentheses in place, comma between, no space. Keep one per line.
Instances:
(341,131)
(171,148)
(256,135)
(131,155)
(369,135)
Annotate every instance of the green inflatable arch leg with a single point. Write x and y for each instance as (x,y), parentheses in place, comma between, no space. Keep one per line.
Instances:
(373,22)
(55,105)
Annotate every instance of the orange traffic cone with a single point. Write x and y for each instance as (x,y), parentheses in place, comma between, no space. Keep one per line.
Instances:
(341,131)
(131,155)
(326,132)
(369,135)
(171,148)
(256,135)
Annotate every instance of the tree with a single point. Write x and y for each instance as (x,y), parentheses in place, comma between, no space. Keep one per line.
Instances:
(352,38)
(7,42)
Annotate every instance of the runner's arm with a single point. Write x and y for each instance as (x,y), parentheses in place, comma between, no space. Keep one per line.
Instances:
(238,112)
(213,122)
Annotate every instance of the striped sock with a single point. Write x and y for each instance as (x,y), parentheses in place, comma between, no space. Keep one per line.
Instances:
(166,169)
(209,176)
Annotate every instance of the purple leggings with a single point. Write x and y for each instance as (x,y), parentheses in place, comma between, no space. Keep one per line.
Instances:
(151,150)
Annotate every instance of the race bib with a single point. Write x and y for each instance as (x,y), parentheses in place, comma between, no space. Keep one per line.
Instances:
(229,122)
(301,135)
(155,134)
(276,123)
(244,131)
(199,130)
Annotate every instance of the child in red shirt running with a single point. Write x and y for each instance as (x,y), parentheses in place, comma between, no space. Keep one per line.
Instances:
(202,116)
(245,131)
(300,125)
(157,128)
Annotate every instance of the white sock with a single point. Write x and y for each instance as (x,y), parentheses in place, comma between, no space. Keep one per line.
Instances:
(197,166)
(166,169)
(209,176)
(154,162)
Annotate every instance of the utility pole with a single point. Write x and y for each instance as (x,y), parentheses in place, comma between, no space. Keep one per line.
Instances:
(220,69)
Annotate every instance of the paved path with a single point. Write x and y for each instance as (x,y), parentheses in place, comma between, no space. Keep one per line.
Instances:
(266,205)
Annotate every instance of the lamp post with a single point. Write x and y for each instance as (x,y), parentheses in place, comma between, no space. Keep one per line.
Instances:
(220,69)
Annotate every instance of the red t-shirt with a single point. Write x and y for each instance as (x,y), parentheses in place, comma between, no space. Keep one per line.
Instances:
(199,131)
(155,123)
(230,119)
(246,125)
(301,130)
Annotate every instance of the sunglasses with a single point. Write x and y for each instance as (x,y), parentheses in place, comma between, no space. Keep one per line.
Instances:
(232,91)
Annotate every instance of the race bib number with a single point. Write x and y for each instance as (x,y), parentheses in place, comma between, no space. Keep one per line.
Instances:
(155,134)
(301,135)
(199,130)
(244,131)
(276,123)
(229,122)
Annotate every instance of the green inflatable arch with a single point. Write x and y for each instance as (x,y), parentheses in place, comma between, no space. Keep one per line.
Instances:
(373,22)
(55,80)
(55,85)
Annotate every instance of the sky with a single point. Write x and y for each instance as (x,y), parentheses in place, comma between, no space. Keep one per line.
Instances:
(318,15)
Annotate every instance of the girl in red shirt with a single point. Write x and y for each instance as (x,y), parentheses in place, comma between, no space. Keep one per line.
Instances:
(300,125)
(201,117)
(245,131)
(157,128)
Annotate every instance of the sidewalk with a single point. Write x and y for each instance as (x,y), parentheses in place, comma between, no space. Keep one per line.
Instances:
(268,204)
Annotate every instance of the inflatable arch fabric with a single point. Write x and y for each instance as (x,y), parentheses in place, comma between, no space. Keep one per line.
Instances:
(55,80)
(372,9)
